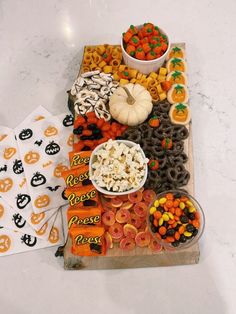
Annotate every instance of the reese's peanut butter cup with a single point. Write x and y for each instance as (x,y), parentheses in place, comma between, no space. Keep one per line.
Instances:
(77,177)
(79,159)
(88,241)
(83,196)
(83,216)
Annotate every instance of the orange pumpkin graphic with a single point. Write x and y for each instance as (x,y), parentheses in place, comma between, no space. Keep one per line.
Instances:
(31,157)
(50,131)
(42,230)
(37,218)
(54,235)
(59,169)
(39,118)
(6,185)
(9,152)
(1,210)
(70,140)
(2,136)
(5,243)
(42,201)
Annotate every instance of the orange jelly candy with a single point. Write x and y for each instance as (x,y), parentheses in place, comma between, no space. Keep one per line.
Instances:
(88,241)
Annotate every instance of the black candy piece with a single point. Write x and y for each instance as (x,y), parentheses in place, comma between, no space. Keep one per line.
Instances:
(86,182)
(191,216)
(190,228)
(186,211)
(160,209)
(92,126)
(119,138)
(184,219)
(154,228)
(177,195)
(195,232)
(85,148)
(96,131)
(151,218)
(170,232)
(164,236)
(98,136)
(182,238)
(79,130)
(176,243)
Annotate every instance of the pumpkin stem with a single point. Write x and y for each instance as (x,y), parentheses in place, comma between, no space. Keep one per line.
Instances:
(130,98)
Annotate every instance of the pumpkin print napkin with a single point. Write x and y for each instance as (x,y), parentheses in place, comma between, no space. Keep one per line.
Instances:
(12,242)
(11,219)
(44,148)
(13,186)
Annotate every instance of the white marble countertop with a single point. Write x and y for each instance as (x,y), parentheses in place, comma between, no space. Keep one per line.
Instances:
(40,49)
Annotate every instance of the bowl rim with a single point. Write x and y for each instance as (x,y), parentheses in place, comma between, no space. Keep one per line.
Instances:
(147,61)
(187,244)
(103,190)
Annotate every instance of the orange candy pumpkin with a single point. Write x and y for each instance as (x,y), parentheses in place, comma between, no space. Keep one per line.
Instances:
(54,235)
(9,152)
(5,243)
(50,131)
(6,185)
(37,218)
(42,201)
(31,157)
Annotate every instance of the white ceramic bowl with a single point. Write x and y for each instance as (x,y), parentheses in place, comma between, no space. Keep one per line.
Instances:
(145,66)
(105,191)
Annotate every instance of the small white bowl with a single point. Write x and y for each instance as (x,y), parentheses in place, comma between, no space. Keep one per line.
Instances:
(105,191)
(145,66)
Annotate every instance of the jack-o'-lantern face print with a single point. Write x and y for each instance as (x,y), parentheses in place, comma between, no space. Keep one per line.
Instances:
(59,169)
(50,131)
(2,136)
(68,120)
(70,140)
(42,201)
(52,148)
(5,243)
(37,218)
(54,235)
(38,179)
(25,134)
(29,240)
(42,230)
(22,200)
(39,118)
(31,157)
(19,221)
(9,152)
(17,167)
(6,185)
(1,210)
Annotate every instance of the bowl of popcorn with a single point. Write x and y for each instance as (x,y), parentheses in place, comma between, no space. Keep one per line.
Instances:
(118,167)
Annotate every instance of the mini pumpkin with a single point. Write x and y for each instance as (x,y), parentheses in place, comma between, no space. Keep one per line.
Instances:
(153,164)
(50,131)
(9,152)
(37,218)
(17,167)
(167,143)
(52,148)
(25,134)
(154,122)
(42,201)
(38,179)
(54,235)
(22,200)
(59,169)
(1,210)
(177,52)
(5,243)
(180,114)
(68,120)
(177,77)
(6,185)
(176,64)
(31,157)
(42,231)
(130,104)
(178,94)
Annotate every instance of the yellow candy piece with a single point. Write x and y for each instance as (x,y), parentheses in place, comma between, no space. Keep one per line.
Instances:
(162,200)
(124,81)
(133,80)
(170,215)
(153,75)
(152,210)
(116,76)
(139,76)
(190,204)
(162,71)
(181,205)
(162,96)
(187,234)
(102,64)
(165,217)
(133,73)
(159,89)
(161,78)
(108,69)
(122,67)
(160,223)
(156,203)
(192,209)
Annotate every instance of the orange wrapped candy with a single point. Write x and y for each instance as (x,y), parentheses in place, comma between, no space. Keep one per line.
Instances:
(85,196)
(88,241)
(79,159)
(83,216)
(77,177)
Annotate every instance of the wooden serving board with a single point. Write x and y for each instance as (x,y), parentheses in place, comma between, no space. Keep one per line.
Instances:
(140,257)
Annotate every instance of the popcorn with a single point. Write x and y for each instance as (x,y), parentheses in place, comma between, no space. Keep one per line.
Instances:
(119,167)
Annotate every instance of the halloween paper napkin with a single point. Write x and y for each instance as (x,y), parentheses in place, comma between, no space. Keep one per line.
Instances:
(44,148)
(13,187)
(12,242)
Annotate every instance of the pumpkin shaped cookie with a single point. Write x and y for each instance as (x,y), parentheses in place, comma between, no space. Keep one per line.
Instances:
(37,218)
(176,52)
(31,157)
(178,94)
(5,185)
(9,152)
(177,77)
(42,201)
(180,114)
(130,104)
(176,64)
(5,243)
(54,235)
(50,131)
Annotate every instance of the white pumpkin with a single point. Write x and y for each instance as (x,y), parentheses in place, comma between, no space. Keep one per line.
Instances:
(130,104)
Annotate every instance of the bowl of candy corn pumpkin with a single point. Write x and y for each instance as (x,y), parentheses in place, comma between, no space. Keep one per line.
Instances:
(145,47)
(176,220)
